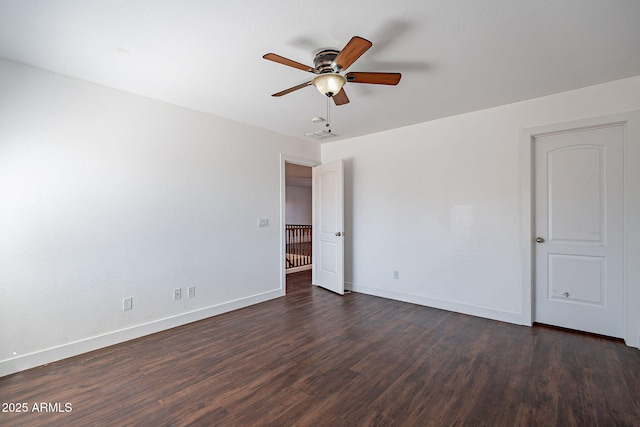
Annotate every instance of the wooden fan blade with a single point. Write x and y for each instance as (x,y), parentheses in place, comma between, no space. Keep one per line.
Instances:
(352,51)
(341,98)
(289,62)
(291,89)
(374,78)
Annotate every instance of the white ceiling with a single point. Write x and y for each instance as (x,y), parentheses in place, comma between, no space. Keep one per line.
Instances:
(455,56)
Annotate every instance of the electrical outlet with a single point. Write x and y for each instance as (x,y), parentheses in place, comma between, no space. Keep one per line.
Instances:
(263,222)
(127,303)
(191,291)
(177,293)
(396,274)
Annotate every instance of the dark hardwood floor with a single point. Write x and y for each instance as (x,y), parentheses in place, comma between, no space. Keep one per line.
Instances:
(314,358)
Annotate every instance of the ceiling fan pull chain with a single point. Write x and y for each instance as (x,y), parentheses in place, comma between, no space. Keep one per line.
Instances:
(328,114)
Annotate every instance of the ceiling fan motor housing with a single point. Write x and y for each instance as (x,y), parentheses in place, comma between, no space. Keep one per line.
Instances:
(323,61)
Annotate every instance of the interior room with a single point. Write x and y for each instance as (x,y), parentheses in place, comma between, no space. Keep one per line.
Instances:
(472,188)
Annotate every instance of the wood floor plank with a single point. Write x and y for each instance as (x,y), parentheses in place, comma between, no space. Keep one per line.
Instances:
(319,359)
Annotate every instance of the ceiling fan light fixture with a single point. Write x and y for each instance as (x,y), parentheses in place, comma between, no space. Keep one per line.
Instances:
(329,84)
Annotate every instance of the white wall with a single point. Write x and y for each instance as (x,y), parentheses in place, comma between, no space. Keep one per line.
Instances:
(105,195)
(298,205)
(440,203)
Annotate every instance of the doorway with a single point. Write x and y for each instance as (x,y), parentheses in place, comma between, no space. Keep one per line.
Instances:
(327,190)
(296,220)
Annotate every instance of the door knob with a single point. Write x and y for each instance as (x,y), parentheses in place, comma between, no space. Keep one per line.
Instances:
(539,239)
(338,233)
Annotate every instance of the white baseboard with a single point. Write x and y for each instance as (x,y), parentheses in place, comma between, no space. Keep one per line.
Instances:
(64,351)
(473,310)
(298,269)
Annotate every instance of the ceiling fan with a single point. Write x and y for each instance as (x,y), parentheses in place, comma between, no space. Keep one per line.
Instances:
(329,63)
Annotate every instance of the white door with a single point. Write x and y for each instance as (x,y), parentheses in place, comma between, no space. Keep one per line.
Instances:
(328,226)
(579,230)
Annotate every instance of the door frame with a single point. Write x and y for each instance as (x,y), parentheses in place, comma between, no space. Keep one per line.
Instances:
(631,202)
(284,159)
